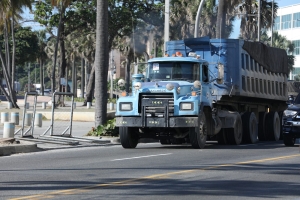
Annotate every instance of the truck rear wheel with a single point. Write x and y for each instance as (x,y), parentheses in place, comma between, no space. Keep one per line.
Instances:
(128,137)
(288,141)
(198,135)
(249,128)
(262,132)
(273,130)
(235,135)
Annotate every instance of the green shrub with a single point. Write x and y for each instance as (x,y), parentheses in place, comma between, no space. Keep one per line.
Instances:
(112,100)
(108,129)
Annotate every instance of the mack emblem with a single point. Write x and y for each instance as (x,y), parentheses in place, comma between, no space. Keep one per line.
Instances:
(157,90)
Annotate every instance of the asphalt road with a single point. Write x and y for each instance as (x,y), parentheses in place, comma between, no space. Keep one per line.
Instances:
(152,171)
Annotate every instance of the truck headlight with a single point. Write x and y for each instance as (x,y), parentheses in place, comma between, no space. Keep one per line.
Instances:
(186,106)
(125,106)
(289,113)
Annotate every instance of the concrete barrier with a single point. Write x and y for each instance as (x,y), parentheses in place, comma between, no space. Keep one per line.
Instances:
(4,117)
(44,105)
(8,130)
(88,105)
(38,119)
(28,119)
(111,106)
(15,118)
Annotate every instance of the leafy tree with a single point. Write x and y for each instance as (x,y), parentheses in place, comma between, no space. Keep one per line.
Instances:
(216,20)
(225,17)
(120,25)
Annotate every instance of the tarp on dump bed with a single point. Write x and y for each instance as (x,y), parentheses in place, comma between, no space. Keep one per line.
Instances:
(273,59)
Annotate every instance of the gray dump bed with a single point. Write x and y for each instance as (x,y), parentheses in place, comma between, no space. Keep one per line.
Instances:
(251,69)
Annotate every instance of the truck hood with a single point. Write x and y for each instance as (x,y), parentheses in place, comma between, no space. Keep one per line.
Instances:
(160,86)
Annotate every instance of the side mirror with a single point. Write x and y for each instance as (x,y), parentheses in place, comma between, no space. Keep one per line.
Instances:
(197,84)
(220,79)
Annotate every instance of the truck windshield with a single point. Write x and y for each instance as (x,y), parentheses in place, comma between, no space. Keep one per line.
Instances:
(187,71)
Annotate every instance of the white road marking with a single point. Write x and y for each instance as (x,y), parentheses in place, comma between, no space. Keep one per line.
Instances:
(142,157)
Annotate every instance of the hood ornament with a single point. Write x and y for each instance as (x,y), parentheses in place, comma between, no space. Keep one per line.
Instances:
(156,84)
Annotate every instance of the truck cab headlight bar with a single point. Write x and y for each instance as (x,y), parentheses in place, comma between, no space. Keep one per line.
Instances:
(186,106)
(125,106)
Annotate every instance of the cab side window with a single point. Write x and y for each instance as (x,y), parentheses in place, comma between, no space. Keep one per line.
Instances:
(204,73)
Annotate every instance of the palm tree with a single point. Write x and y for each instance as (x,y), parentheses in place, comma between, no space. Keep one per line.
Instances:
(62,6)
(42,56)
(101,62)
(182,19)
(248,28)
(11,10)
(225,18)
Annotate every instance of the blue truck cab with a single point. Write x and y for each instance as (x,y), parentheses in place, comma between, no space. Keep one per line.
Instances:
(203,89)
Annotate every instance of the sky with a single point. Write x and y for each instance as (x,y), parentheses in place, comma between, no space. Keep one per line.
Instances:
(234,35)
(281,3)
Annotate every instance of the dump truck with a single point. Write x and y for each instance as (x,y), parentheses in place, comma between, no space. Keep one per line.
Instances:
(228,90)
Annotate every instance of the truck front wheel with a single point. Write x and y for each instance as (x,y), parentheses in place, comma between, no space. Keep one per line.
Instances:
(129,137)
(198,135)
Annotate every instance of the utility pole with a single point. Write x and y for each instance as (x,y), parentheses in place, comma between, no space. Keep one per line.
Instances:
(28,84)
(167,24)
(272,23)
(198,18)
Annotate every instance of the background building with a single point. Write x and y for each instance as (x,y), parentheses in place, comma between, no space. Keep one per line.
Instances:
(287,23)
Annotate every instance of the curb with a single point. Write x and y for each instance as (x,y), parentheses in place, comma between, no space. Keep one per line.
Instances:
(23,147)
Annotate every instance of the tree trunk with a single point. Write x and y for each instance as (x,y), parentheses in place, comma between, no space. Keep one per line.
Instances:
(90,87)
(53,87)
(11,98)
(13,68)
(82,86)
(101,62)
(41,76)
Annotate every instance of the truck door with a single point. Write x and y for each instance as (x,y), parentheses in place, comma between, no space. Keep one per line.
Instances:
(206,94)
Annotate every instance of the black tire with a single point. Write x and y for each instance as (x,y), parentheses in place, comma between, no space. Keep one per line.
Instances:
(274,126)
(281,128)
(235,135)
(198,135)
(222,137)
(128,137)
(165,141)
(288,141)
(250,129)
(262,131)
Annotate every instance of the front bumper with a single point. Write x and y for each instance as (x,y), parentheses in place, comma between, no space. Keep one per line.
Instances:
(157,122)
(291,128)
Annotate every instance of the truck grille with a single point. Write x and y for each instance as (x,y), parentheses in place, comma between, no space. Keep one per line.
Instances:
(155,104)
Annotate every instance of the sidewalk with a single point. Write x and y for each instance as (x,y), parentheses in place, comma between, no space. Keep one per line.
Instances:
(83,122)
